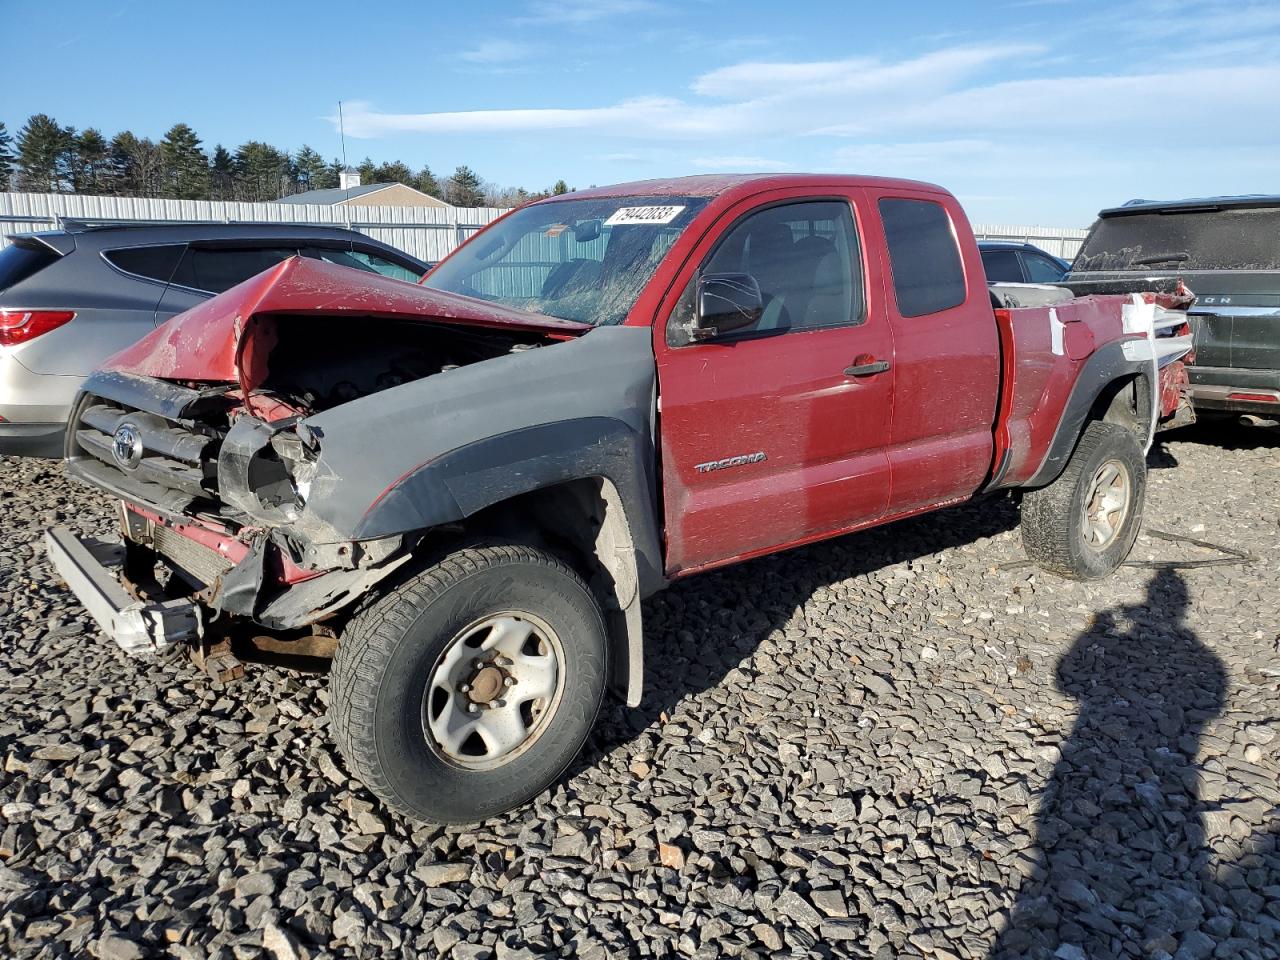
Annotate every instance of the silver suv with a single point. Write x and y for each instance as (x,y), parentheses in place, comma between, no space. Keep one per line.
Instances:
(71,298)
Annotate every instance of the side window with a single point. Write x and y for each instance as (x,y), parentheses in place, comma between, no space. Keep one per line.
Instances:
(806,260)
(362,260)
(388,268)
(215,269)
(1001,266)
(150,263)
(927,273)
(1041,269)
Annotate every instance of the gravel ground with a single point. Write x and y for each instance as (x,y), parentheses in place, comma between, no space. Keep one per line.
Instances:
(900,744)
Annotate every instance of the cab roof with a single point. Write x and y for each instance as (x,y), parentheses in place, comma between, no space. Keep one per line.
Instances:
(717,184)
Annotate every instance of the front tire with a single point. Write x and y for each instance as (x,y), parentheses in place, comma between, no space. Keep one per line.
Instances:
(468,690)
(1083,524)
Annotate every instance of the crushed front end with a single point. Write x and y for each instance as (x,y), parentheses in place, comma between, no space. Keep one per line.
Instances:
(212,517)
(236,509)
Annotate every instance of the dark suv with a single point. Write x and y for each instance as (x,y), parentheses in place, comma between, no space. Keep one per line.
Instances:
(71,298)
(1227,249)
(1013,261)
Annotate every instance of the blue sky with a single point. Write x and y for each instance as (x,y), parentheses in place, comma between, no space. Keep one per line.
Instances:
(1031,111)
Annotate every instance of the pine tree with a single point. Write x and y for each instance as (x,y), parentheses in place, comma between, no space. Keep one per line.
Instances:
(367,170)
(222,175)
(136,166)
(262,171)
(43,155)
(560,189)
(6,159)
(426,182)
(92,154)
(465,188)
(186,168)
(393,172)
(333,174)
(310,169)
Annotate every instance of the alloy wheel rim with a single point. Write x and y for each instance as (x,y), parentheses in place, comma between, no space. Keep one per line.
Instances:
(493,690)
(1106,507)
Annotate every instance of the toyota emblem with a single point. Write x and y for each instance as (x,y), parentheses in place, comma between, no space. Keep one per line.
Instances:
(126,446)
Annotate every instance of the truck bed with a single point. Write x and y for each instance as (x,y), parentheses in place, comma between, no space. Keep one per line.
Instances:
(1050,350)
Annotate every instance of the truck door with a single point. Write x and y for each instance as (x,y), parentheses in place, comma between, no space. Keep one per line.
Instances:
(946,350)
(775,435)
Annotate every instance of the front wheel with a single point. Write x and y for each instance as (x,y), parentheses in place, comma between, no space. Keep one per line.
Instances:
(469,689)
(1083,524)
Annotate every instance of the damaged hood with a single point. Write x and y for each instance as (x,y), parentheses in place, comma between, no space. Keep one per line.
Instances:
(228,339)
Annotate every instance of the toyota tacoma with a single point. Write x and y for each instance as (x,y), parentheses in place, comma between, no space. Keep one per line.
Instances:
(464,488)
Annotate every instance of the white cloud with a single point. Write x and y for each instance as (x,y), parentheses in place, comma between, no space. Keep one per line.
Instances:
(772,99)
(1179,99)
(785,80)
(932,97)
(496,51)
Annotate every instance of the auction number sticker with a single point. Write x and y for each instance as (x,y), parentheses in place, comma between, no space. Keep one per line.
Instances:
(625,216)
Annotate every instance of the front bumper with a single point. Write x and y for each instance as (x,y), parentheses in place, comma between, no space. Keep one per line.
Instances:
(32,439)
(138,627)
(33,409)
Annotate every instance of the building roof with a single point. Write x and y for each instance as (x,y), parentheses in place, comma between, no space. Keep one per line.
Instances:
(337,194)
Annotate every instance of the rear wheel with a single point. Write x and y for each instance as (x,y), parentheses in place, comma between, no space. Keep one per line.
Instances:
(468,689)
(1083,525)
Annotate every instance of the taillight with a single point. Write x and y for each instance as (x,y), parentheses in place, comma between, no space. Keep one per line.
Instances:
(19,326)
(1254,397)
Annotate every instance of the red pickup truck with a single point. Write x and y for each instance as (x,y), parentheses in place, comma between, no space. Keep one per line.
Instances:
(465,488)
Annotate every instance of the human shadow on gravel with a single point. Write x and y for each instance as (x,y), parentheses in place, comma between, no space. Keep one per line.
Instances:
(1120,834)
(699,629)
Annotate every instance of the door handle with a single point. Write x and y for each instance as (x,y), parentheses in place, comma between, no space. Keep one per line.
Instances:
(864,366)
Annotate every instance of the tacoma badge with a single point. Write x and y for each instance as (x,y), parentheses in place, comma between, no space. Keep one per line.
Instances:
(730,462)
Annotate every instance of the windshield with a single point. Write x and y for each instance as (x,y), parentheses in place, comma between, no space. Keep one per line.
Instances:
(1226,239)
(584,260)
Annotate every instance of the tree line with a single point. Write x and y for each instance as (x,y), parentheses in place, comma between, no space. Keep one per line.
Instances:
(46,157)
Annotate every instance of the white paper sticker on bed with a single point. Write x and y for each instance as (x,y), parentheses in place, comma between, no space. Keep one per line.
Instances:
(626,216)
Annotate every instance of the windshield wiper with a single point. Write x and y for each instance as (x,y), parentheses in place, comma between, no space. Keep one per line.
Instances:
(1162,258)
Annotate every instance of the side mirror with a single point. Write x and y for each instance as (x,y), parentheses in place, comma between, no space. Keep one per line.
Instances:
(726,301)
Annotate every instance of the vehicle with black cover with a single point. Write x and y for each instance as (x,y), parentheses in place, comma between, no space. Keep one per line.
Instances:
(1227,250)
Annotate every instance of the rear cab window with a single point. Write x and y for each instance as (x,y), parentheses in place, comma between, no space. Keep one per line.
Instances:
(924,258)
(20,261)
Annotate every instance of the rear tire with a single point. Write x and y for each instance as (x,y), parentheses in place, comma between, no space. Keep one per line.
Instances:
(468,689)
(1083,525)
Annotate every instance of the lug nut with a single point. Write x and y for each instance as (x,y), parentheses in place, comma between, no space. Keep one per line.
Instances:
(494,704)
(508,681)
(473,708)
(477,664)
(504,661)
(464,687)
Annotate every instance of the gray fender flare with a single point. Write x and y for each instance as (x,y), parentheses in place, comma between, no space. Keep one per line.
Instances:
(1105,367)
(627,544)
